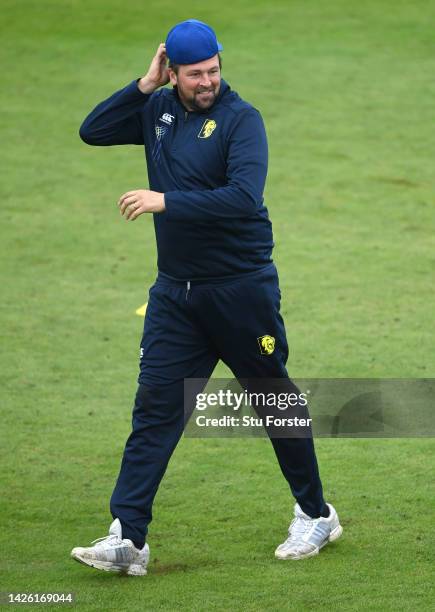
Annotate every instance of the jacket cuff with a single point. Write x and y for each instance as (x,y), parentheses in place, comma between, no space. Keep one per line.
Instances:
(170,204)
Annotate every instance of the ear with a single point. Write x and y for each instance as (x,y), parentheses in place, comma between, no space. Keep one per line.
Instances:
(172,77)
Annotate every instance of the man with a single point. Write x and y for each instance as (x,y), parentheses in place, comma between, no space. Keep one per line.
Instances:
(216,294)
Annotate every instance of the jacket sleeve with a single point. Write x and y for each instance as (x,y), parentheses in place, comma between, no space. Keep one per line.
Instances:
(117,120)
(242,196)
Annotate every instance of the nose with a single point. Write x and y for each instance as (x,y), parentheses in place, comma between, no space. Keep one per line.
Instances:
(205,80)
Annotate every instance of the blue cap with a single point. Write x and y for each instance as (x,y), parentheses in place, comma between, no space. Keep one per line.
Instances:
(190,42)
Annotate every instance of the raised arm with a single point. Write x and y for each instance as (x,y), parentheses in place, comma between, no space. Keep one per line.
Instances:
(117,120)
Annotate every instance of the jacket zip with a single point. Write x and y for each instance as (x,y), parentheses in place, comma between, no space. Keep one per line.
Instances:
(187,289)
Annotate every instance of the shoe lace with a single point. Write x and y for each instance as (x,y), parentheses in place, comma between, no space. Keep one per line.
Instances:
(298,527)
(111,538)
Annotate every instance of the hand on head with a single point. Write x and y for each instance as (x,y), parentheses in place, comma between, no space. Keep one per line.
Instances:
(157,75)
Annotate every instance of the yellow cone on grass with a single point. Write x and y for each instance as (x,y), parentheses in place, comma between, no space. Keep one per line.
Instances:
(142,310)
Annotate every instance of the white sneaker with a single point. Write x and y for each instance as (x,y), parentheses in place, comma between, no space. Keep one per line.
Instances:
(306,536)
(113,554)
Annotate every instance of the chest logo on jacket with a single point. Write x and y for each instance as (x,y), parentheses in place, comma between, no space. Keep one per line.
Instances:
(208,128)
(167,118)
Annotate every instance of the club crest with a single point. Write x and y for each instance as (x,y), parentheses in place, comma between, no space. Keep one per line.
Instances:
(266,344)
(208,128)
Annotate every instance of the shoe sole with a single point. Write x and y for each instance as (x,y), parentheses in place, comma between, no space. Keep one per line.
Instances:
(107,566)
(334,535)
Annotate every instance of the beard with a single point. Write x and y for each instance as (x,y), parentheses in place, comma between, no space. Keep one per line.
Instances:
(201,99)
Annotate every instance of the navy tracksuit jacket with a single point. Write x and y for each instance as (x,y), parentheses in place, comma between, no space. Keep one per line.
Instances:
(217,289)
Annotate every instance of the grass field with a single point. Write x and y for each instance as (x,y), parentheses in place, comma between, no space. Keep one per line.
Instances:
(346,90)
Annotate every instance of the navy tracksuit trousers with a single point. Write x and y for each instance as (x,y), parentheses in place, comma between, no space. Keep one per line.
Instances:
(188,328)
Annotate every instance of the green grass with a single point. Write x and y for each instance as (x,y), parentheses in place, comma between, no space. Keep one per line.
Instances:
(347,95)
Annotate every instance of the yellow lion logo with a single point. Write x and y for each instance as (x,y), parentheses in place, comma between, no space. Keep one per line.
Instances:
(207,129)
(266,344)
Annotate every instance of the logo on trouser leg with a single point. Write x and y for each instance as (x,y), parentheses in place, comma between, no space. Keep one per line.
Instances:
(266,344)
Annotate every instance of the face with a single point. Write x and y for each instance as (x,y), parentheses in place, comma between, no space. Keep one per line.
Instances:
(198,84)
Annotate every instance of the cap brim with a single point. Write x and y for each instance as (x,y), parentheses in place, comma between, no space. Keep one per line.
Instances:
(220,48)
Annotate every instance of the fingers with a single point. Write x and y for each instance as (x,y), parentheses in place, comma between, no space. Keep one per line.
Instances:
(132,204)
(160,55)
(161,49)
(133,211)
(128,201)
(157,74)
(127,198)
(127,194)
(128,209)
